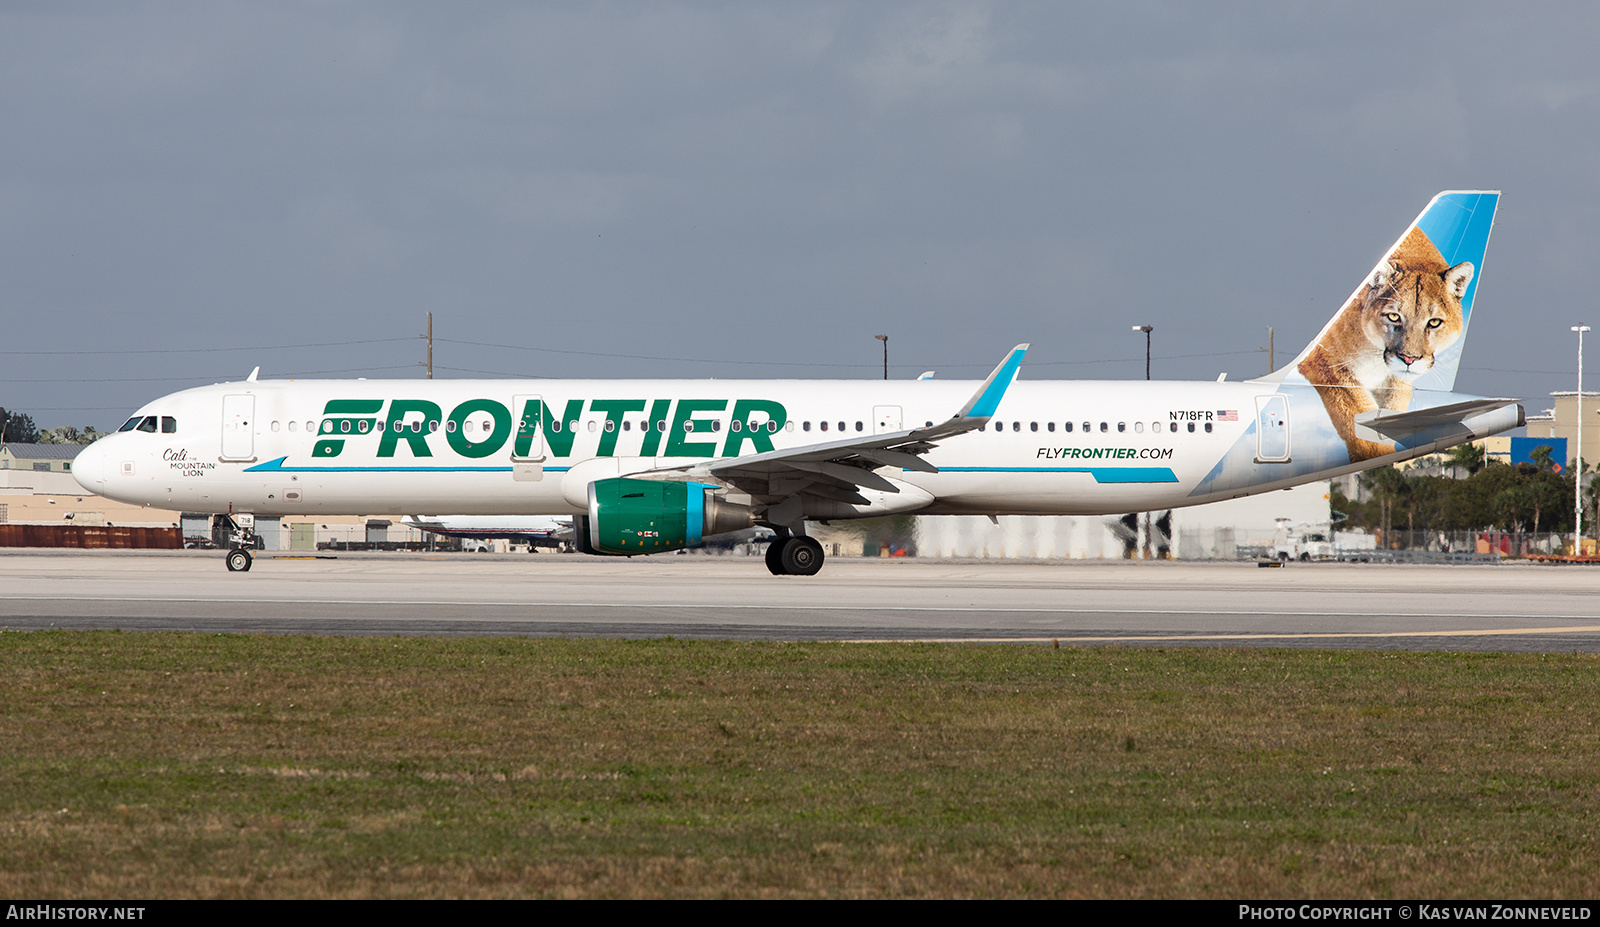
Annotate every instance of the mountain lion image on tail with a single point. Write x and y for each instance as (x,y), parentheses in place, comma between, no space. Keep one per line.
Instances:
(1386,336)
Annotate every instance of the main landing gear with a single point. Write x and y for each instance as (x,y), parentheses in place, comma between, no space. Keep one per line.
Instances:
(794,555)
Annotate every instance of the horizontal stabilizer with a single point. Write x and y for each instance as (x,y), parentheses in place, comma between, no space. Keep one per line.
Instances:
(1381,424)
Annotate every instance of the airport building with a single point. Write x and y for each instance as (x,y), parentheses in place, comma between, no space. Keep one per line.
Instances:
(43,458)
(1561,421)
(1235,529)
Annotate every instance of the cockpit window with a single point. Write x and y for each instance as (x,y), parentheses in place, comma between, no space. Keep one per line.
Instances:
(169,425)
(131,423)
(149,424)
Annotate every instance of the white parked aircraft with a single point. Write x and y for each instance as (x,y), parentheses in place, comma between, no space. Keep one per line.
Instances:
(645,466)
(534,531)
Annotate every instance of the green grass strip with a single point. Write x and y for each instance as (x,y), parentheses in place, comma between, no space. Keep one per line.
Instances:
(186,765)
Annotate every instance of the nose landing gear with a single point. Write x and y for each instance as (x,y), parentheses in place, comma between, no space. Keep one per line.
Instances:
(241,537)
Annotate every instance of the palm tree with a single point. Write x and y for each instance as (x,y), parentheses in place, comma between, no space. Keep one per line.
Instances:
(1468,456)
(1387,486)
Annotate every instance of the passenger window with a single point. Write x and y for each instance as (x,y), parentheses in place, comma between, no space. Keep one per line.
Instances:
(1016,426)
(1122,426)
(292,425)
(772,426)
(805,426)
(610,425)
(363,426)
(344,426)
(1050,426)
(841,426)
(274,426)
(312,426)
(1155,427)
(1104,427)
(716,425)
(1191,428)
(735,425)
(823,425)
(1067,426)
(1086,427)
(627,425)
(858,426)
(169,425)
(1174,427)
(1208,428)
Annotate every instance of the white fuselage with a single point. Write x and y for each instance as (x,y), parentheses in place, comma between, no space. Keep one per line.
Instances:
(507,447)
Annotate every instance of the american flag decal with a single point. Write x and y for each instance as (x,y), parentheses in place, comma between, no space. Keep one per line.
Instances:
(1227,415)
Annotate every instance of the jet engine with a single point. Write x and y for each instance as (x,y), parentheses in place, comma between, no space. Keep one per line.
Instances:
(629,516)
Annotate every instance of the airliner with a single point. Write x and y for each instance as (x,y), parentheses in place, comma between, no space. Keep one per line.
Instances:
(646,466)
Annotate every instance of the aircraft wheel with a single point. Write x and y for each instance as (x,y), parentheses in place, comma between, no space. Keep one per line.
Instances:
(775,555)
(238,560)
(802,556)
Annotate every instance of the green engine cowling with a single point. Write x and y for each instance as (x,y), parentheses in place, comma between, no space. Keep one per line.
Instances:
(628,516)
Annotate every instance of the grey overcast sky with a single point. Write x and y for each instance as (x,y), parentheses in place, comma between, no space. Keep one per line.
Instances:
(756,189)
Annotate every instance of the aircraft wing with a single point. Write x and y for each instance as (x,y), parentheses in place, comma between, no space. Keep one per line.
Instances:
(1396,426)
(839,469)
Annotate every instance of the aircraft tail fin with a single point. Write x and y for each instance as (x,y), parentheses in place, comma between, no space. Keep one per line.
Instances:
(1407,320)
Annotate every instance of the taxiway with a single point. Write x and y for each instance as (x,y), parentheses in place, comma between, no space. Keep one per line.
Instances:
(1510,607)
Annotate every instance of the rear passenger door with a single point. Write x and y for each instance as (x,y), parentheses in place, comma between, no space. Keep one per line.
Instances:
(1272,429)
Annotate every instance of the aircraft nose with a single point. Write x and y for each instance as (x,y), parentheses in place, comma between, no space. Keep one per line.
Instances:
(89,467)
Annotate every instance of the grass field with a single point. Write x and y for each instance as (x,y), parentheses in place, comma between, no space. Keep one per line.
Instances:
(182,765)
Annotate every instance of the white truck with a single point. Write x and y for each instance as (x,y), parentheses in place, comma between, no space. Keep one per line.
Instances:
(1301,541)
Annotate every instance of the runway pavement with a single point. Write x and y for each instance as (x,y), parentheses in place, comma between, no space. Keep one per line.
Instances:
(1505,607)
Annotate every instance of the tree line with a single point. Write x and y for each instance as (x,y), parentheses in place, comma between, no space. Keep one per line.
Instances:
(18,428)
(1473,493)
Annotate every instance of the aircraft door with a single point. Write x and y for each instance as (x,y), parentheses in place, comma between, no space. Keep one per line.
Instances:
(885,419)
(527,441)
(1272,429)
(238,427)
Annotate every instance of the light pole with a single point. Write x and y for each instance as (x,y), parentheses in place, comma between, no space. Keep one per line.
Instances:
(1577,474)
(885,340)
(1147,329)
